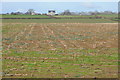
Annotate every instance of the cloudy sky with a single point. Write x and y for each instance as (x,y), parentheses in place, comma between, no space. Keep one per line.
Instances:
(43,7)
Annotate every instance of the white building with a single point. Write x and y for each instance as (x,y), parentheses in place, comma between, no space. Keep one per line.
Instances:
(51,12)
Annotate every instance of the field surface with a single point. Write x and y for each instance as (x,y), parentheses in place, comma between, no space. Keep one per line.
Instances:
(24,16)
(59,21)
(113,18)
(60,50)
(45,16)
(99,15)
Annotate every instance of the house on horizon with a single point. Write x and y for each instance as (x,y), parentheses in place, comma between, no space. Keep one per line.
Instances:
(51,12)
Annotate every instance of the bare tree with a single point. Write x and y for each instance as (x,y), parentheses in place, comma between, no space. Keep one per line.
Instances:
(66,12)
(30,11)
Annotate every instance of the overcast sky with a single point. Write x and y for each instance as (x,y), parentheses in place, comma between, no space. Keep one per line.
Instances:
(43,7)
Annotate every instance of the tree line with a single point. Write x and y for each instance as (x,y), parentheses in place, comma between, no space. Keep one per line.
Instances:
(65,12)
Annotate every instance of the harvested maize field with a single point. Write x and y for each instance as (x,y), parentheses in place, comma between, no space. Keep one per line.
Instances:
(60,50)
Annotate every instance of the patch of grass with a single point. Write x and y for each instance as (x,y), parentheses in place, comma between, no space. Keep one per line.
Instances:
(24,16)
(58,21)
(102,15)
(108,15)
